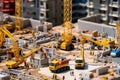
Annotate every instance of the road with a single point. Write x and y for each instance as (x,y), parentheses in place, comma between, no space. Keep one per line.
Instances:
(116,59)
(67,75)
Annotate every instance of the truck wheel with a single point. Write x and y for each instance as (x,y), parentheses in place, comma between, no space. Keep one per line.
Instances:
(67,68)
(62,69)
(58,71)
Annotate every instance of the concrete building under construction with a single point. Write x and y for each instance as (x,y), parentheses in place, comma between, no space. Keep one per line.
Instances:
(108,9)
(8,6)
(52,10)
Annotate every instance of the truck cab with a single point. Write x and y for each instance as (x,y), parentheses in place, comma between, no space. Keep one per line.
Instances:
(115,53)
(58,66)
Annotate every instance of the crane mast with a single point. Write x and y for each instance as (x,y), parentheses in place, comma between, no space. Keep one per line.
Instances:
(67,11)
(118,33)
(18,14)
(67,36)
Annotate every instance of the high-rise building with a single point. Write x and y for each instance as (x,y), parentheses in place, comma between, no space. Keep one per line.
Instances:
(52,10)
(8,6)
(79,9)
(45,10)
(108,9)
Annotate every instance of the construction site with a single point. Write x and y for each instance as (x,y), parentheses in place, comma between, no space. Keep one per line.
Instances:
(37,50)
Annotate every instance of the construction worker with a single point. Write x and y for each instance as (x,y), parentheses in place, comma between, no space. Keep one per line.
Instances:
(91,52)
(33,33)
(75,78)
(54,76)
(63,77)
(9,54)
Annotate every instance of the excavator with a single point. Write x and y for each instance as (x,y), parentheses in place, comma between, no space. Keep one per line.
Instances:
(106,43)
(15,49)
(80,61)
(66,42)
(14,63)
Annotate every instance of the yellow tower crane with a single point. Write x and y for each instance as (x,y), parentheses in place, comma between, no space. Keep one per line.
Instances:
(67,36)
(118,32)
(19,14)
(116,52)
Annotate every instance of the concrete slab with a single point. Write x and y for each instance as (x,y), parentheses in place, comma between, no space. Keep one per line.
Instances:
(116,59)
(67,75)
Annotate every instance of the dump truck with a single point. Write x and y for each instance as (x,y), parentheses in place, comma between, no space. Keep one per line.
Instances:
(59,65)
(80,61)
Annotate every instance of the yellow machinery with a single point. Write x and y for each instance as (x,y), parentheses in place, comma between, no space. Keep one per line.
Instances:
(67,36)
(18,14)
(59,65)
(118,33)
(15,48)
(80,61)
(106,43)
(116,52)
(14,63)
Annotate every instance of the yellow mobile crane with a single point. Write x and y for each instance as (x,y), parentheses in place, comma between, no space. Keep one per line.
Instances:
(18,14)
(67,36)
(80,61)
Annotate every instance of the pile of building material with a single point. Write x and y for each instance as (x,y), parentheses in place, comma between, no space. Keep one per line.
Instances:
(104,56)
(4,76)
(86,75)
(102,70)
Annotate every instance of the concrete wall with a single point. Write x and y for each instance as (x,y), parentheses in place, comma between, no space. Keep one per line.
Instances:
(102,28)
(33,23)
(95,18)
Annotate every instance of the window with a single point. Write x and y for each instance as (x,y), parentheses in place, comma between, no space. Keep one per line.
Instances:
(114,9)
(41,3)
(41,14)
(7,6)
(115,18)
(115,0)
(102,2)
(101,11)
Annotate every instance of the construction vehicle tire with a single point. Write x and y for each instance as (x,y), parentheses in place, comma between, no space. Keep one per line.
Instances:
(99,47)
(68,68)
(68,48)
(58,71)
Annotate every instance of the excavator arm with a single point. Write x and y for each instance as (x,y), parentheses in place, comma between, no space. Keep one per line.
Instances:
(15,48)
(2,38)
(14,64)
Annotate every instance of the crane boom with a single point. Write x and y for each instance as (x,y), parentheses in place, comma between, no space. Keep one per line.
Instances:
(18,14)
(14,64)
(80,61)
